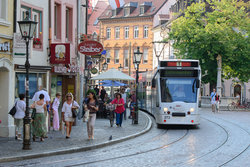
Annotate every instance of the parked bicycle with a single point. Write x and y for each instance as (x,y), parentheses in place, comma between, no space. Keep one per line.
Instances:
(237,106)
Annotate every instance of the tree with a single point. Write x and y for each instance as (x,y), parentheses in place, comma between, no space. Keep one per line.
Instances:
(224,31)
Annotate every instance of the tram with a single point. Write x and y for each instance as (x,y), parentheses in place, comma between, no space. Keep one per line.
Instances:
(174,92)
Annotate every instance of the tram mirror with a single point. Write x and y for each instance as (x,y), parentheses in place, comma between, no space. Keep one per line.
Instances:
(197,83)
(153,83)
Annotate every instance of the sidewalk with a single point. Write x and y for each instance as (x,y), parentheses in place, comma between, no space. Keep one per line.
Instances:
(55,144)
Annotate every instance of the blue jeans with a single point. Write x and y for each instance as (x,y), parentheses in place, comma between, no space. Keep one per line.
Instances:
(119,118)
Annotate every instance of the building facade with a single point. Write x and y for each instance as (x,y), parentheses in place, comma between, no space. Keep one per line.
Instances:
(6,68)
(124,29)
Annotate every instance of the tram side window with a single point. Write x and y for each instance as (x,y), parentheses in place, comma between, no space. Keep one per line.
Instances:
(157,94)
(165,92)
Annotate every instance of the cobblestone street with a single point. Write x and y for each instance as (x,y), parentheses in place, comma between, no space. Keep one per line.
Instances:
(222,139)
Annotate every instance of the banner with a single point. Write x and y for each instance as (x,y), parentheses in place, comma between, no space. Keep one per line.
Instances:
(116,3)
(60,53)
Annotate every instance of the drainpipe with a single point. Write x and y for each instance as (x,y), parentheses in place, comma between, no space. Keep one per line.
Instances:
(14,25)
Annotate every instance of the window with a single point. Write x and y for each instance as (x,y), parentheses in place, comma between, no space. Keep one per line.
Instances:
(116,56)
(145,55)
(117,32)
(3,10)
(126,33)
(125,58)
(126,11)
(141,10)
(107,56)
(113,12)
(108,33)
(69,23)
(57,21)
(145,32)
(136,32)
(36,15)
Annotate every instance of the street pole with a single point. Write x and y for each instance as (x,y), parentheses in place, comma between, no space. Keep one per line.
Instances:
(27,119)
(219,61)
(85,56)
(137,109)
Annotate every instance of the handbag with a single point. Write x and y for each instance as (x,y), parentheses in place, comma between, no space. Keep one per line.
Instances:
(33,114)
(74,112)
(86,116)
(13,110)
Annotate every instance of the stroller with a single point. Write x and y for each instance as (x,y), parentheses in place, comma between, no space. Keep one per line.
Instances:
(111,113)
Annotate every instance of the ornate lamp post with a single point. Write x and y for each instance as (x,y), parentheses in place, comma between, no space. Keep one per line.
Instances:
(137,61)
(120,68)
(27,29)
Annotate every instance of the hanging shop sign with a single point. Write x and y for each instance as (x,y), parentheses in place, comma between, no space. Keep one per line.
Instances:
(65,68)
(60,53)
(90,48)
(94,70)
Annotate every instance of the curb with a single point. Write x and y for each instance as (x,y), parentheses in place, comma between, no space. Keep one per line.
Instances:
(147,127)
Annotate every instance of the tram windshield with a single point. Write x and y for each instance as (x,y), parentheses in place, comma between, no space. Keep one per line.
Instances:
(178,89)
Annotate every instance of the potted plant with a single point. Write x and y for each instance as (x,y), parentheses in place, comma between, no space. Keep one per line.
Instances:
(37,42)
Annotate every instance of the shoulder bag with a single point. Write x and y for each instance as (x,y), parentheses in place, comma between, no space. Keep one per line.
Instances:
(13,110)
(73,110)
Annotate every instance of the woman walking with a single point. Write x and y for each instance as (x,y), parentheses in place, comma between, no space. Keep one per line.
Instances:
(20,113)
(39,128)
(119,108)
(217,99)
(55,106)
(67,115)
(92,106)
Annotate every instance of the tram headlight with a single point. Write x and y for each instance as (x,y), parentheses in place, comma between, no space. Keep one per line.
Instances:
(165,109)
(191,110)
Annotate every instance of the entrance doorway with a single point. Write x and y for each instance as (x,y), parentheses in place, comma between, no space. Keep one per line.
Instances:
(237,90)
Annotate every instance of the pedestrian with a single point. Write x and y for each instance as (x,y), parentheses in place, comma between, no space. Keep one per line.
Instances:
(38,124)
(124,97)
(67,115)
(132,102)
(217,99)
(103,93)
(55,105)
(19,115)
(213,101)
(47,101)
(96,90)
(92,106)
(119,110)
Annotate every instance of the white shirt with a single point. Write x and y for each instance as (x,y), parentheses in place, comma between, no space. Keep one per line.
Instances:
(20,109)
(39,108)
(56,104)
(37,94)
(67,108)
(124,96)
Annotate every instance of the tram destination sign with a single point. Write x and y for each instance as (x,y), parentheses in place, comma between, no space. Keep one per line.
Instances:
(179,73)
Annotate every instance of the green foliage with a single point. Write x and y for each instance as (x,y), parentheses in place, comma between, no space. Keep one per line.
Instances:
(205,35)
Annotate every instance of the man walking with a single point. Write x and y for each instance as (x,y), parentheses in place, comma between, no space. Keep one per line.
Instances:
(213,101)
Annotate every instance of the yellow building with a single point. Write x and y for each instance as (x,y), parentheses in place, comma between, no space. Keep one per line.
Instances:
(124,29)
(6,67)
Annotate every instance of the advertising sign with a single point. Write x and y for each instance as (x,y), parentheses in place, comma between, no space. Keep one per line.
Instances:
(90,48)
(60,53)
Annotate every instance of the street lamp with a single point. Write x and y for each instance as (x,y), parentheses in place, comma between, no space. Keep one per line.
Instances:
(137,61)
(120,68)
(27,28)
